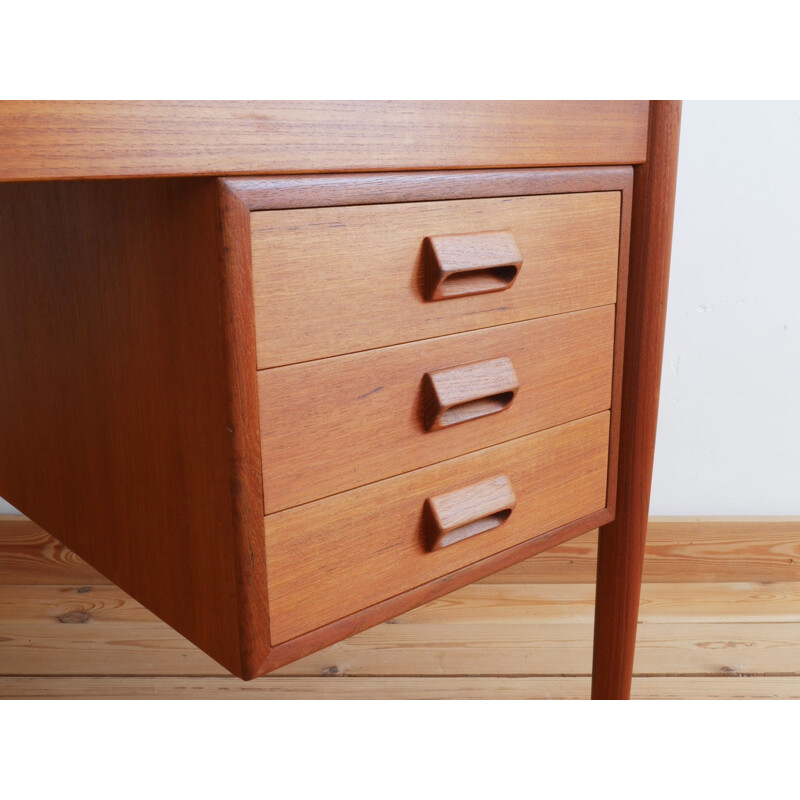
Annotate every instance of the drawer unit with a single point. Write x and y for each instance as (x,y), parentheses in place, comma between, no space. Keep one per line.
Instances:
(413,431)
(355,400)
(334,557)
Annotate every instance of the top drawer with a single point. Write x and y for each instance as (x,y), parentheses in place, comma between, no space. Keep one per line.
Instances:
(330,281)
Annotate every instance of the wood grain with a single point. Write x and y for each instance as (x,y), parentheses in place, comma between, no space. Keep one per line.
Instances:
(237,331)
(462,264)
(737,648)
(568,603)
(469,511)
(679,550)
(686,629)
(619,342)
(499,604)
(467,392)
(47,140)
(338,423)
(622,542)
(330,688)
(28,554)
(358,189)
(682,549)
(69,641)
(370,259)
(332,557)
(127,422)
(394,688)
(399,604)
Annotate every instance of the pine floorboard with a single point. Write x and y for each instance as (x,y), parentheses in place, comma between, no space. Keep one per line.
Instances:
(719,619)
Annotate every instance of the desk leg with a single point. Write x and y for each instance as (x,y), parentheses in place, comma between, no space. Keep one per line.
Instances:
(621,550)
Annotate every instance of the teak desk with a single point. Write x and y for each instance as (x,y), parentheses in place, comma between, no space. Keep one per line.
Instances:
(285,370)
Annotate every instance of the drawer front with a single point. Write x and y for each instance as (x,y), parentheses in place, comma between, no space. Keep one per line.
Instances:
(330,281)
(336,424)
(339,555)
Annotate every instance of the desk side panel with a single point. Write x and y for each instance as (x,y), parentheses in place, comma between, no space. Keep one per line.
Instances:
(117,429)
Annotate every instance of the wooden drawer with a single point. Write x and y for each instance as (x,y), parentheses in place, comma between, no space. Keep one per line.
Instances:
(329,281)
(335,424)
(336,556)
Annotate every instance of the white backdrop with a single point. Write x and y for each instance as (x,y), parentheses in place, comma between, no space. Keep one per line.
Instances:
(729,426)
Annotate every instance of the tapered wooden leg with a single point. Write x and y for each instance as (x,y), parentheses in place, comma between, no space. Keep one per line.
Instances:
(621,550)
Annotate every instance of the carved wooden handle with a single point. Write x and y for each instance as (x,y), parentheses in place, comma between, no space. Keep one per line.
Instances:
(458,394)
(457,265)
(457,515)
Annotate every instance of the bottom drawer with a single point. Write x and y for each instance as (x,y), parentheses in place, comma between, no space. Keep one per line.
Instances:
(332,557)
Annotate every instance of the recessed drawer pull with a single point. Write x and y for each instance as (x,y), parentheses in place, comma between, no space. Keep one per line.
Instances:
(469,391)
(454,516)
(457,265)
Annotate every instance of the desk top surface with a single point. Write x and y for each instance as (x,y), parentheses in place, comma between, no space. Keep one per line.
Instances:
(51,140)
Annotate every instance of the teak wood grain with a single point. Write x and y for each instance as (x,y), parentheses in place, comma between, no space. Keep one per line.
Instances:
(91,139)
(621,553)
(468,511)
(330,281)
(330,558)
(267,193)
(467,392)
(241,394)
(128,409)
(335,424)
(461,264)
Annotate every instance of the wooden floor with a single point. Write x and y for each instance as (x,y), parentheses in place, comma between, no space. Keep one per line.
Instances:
(720,618)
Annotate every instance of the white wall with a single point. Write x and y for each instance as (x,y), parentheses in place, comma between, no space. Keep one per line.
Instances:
(729,427)
(729,424)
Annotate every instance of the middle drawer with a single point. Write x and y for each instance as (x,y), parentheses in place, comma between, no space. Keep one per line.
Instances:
(339,423)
